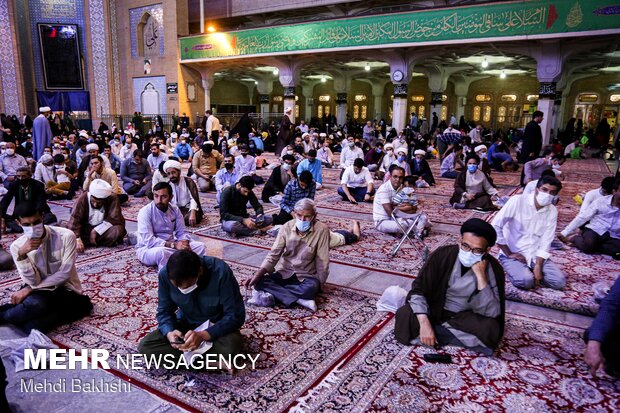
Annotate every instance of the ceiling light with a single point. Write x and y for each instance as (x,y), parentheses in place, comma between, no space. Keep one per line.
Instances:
(502,75)
(211,29)
(276,71)
(323,79)
(367,67)
(256,82)
(485,63)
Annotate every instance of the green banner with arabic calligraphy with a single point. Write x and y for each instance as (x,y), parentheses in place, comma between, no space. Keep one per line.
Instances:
(476,22)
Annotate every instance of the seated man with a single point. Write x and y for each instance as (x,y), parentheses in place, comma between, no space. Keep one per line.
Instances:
(349,153)
(602,232)
(96,170)
(184,193)
(226,176)
(60,187)
(603,336)
(234,213)
(280,176)
(298,264)
(136,175)
(525,229)
(10,162)
(96,218)
(205,164)
(296,189)
(452,163)
(92,150)
(183,150)
(356,184)
(472,188)
(45,260)
(606,188)
(156,156)
(246,164)
(374,157)
(324,154)
(313,165)
(533,169)
(384,204)
(24,189)
(499,157)
(193,290)
(419,166)
(115,161)
(458,298)
(161,230)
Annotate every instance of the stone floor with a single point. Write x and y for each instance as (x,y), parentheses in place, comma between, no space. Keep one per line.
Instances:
(141,401)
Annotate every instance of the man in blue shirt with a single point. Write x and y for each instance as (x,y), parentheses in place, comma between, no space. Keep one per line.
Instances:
(193,290)
(183,150)
(603,336)
(314,166)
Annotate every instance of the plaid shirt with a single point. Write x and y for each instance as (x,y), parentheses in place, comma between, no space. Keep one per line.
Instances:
(293,192)
(450,138)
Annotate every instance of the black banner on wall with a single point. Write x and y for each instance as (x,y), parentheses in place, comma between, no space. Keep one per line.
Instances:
(60,52)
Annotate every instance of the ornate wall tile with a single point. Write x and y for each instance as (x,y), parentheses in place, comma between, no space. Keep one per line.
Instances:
(116,68)
(141,84)
(135,15)
(99,52)
(8,71)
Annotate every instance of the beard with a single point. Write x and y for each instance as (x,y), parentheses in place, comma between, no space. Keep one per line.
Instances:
(162,207)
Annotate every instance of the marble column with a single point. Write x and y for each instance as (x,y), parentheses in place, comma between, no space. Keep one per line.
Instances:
(546,103)
(264,105)
(399,107)
(341,111)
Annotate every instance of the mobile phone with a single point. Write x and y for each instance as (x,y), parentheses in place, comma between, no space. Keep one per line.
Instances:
(179,341)
(438,358)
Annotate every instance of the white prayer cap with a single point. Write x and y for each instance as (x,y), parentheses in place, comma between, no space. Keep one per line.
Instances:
(92,147)
(172,164)
(420,152)
(44,109)
(402,150)
(388,145)
(209,142)
(173,135)
(199,130)
(100,189)
(83,134)
(305,134)
(322,134)
(45,158)
(479,148)
(288,109)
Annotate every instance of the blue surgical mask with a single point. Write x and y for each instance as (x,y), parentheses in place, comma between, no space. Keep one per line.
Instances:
(303,226)
(472,168)
(378,150)
(468,258)
(401,158)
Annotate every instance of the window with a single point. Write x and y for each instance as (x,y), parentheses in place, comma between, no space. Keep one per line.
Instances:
(444,98)
(319,111)
(390,112)
(532,98)
(326,110)
(487,114)
(324,98)
(356,111)
(509,98)
(411,109)
(417,98)
(476,115)
(296,111)
(587,98)
(364,110)
(501,114)
(421,111)
(360,98)
(614,98)
(444,113)
(296,98)
(483,98)
(278,98)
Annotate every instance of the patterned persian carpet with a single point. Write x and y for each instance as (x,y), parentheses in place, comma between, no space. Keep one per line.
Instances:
(538,368)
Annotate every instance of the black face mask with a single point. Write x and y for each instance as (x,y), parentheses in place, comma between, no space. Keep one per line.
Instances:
(24,181)
(207,148)
(229,166)
(244,154)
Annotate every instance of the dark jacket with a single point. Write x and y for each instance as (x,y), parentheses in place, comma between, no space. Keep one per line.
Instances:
(425,171)
(274,184)
(78,223)
(36,194)
(532,141)
(233,204)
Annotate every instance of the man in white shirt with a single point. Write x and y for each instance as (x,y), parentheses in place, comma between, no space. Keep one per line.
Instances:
(356,184)
(212,128)
(184,193)
(525,228)
(384,204)
(602,233)
(161,230)
(45,260)
(128,149)
(325,155)
(607,188)
(349,153)
(245,163)
(156,156)
(303,128)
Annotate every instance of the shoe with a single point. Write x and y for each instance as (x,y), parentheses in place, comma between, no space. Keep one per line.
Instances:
(459,205)
(13,226)
(262,299)
(273,231)
(309,304)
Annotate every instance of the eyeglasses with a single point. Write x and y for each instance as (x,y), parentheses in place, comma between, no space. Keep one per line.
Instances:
(476,251)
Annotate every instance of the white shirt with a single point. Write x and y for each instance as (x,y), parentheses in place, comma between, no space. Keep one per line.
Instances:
(590,197)
(602,215)
(213,124)
(154,162)
(353,180)
(245,165)
(475,135)
(524,229)
(348,156)
(385,195)
(126,152)
(44,173)
(530,188)
(569,148)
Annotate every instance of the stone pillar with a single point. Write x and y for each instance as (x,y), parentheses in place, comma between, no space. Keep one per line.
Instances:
(546,99)
(289,101)
(460,107)
(399,107)
(207,84)
(308,91)
(264,105)
(436,103)
(557,110)
(341,111)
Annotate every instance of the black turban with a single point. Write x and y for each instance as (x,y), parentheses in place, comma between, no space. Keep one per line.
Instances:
(480,228)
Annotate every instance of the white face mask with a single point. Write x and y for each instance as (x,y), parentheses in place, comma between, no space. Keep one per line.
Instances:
(188,289)
(10,151)
(468,258)
(286,166)
(544,198)
(34,231)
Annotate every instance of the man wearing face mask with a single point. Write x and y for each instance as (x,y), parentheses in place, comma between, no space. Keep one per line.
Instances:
(297,266)
(472,189)
(349,153)
(226,176)
(325,155)
(25,189)
(525,229)
(161,230)
(233,209)
(193,290)
(419,166)
(184,193)
(297,189)
(401,159)
(280,176)
(183,150)
(45,260)
(10,162)
(96,218)
(205,164)
(532,170)
(128,149)
(458,297)
(374,157)
(312,165)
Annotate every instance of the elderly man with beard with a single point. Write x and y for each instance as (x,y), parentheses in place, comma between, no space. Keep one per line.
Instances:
(184,193)
(161,231)
(97,219)
(205,163)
